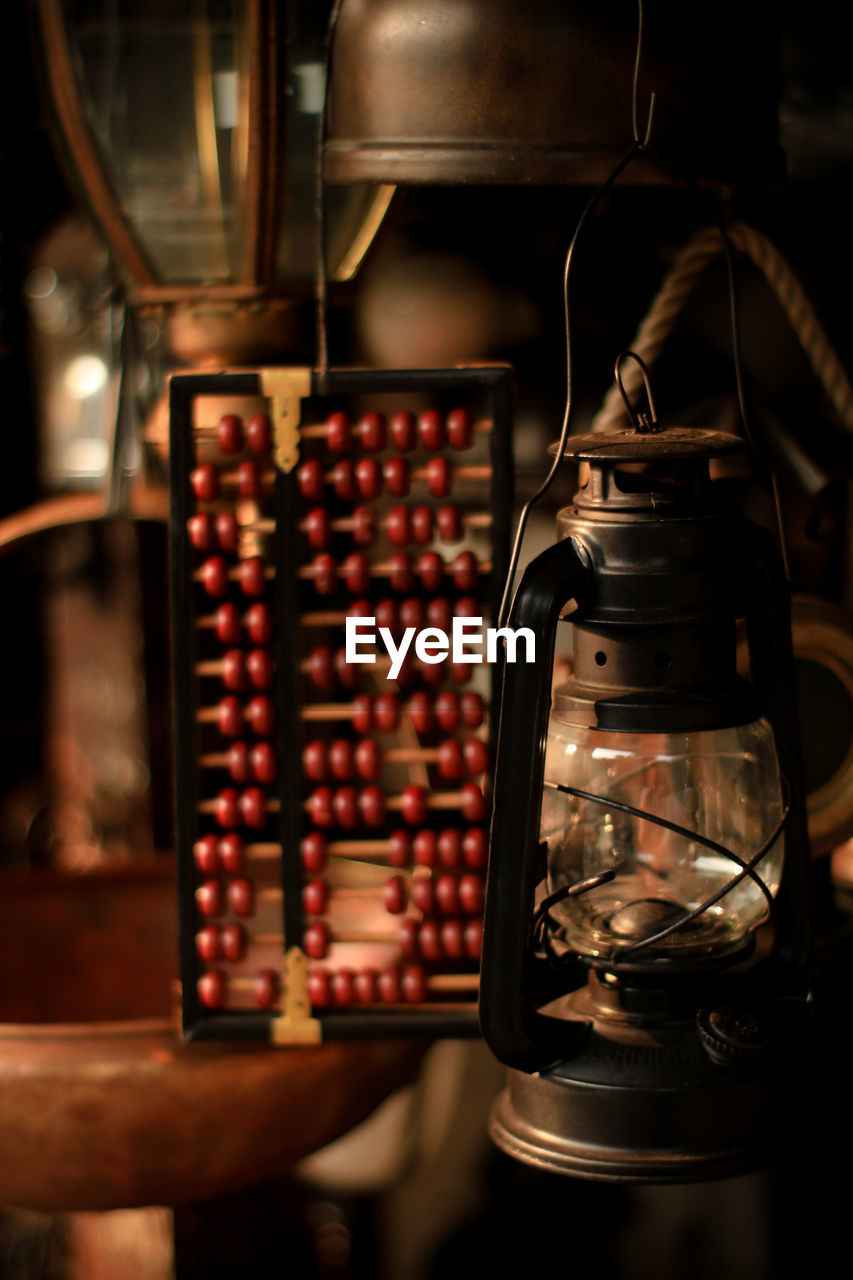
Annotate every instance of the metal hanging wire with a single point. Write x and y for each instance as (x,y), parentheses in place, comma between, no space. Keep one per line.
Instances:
(640,143)
(321,268)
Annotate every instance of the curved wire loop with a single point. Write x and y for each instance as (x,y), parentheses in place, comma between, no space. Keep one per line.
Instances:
(645,423)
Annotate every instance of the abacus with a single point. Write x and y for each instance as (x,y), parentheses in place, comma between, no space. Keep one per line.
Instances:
(331,821)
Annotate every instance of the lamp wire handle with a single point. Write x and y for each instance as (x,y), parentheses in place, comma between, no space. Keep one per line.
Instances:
(644,423)
(638,145)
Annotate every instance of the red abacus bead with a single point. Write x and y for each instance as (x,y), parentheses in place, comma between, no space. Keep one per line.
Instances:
(312,480)
(461,671)
(464,570)
(343,987)
(259,623)
(440,612)
(325,574)
(205,855)
(356,572)
(429,940)
(338,433)
(362,713)
(229,433)
(232,853)
(398,525)
(386,712)
(404,431)
(467,607)
(450,847)
(432,430)
(343,480)
(407,938)
(399,848)
(473,937)
(253,808)
(365,986)
(371,804)
(227,531)
(432,673)
(202,531)
(253,579)
(388,986)
(414,806)
(422,524)
(451,762)
(227,810)
(371,428)
(368,759)
(241,897)
(345,805)
(413,984)
(453,939)
(204,482)
(431,570)
(447,709)
(363,527)
(259,433)
(249,481)
(471,894)
(207,943)
(449,520)
(321,808)
(368,478)
(385,614)
(318,529)
(476,755)
(262,762)
(316,941)
(424,849)
(313,851)
(346,672)
(259,668)
(473,711)
(412,613)
(229,628)
(474,808)
(214,576)
(341,763)
(439,477)
(210,898)
(394,897)
(230,717)
(401,576)
(260,713)
(319,988)
(397,477)
(421,711)
(361,608)
(238,761)
(234,670)
(447,895)
(460,429)
(423,895)
(321,668)
(475,848)
(315,897)
(265,988)
(233,940)
(211,989)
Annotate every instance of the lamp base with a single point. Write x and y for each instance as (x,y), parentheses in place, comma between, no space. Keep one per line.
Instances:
(646,1108)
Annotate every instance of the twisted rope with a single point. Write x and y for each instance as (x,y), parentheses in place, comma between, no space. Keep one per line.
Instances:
(677,285)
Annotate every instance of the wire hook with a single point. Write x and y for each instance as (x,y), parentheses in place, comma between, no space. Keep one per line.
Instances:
(644,423)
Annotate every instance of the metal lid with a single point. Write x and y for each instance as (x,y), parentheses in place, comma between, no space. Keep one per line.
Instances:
(637,446)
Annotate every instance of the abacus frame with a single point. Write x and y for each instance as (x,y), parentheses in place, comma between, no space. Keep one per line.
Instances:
(492,383)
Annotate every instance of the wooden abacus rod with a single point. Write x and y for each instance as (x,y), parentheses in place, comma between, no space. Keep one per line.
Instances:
(381,569)
(392,755)
(347,524)
(431,799)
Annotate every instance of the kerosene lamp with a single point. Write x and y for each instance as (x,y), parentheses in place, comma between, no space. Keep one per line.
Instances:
(645,951)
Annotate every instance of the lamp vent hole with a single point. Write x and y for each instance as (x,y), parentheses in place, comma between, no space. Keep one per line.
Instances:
(601,659)
(663,661)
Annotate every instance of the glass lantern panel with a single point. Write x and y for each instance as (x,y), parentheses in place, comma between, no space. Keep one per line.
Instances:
(723,784)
